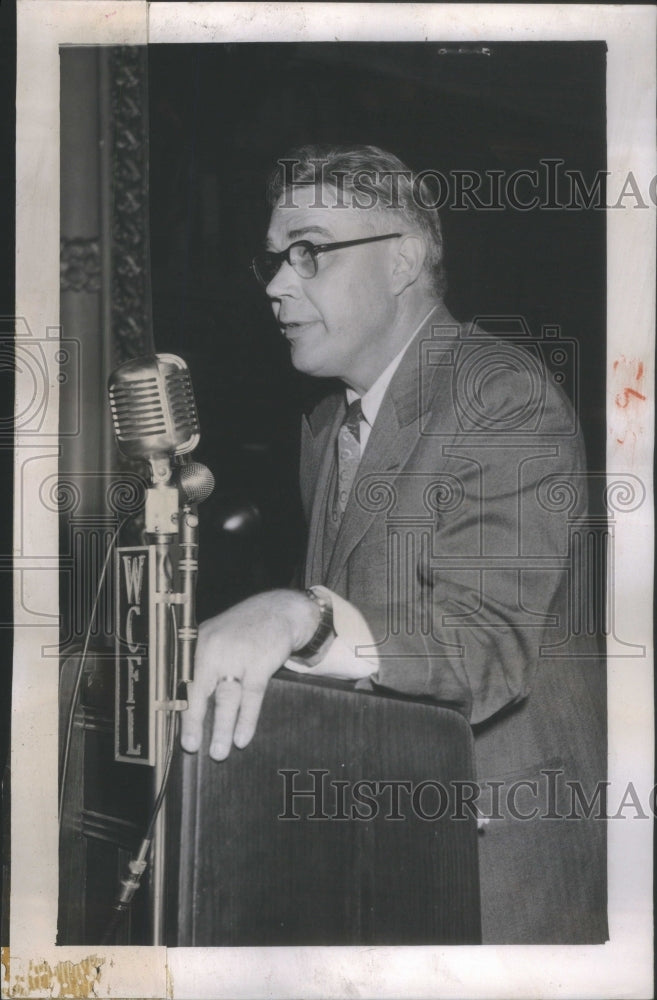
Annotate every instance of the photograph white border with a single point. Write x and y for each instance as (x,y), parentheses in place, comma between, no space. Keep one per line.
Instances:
(621,968)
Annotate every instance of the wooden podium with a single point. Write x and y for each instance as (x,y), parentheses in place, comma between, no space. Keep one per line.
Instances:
(247,864)
(379,849)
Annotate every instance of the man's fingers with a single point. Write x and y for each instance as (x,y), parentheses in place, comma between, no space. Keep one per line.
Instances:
(252,695)
(191,731)
(199,692)
(236,713)
(227,699)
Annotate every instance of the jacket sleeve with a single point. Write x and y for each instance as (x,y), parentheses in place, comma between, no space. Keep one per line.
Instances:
(351,632)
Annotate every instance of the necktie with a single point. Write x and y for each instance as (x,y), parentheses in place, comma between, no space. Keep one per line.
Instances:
(348,446)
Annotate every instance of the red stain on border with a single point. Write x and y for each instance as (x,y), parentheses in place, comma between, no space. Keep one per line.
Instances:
(625,384)
(634,368)
(623,398)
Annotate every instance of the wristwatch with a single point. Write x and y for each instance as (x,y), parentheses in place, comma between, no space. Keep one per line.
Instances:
(317,646)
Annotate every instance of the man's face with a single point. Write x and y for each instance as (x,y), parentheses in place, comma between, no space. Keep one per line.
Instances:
(335,323)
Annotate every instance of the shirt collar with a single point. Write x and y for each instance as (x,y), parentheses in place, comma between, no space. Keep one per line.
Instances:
(372,399)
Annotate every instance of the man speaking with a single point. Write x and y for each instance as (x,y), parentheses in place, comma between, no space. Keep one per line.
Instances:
(467,441)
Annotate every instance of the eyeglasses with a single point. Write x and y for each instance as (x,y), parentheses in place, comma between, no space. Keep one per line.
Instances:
(302,256)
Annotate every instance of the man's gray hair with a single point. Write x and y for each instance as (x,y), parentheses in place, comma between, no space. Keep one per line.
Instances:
(369,178)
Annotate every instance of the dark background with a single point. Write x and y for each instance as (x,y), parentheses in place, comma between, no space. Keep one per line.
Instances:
(220,116)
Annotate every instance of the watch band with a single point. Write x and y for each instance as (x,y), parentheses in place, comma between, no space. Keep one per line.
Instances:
(311,653)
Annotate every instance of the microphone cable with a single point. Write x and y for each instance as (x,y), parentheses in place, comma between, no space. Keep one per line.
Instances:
(78,678)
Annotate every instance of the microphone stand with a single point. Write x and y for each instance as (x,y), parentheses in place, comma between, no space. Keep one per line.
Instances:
(155,419)
(166,521)
(174,649)
(171,533)
(188,570)
(163,590)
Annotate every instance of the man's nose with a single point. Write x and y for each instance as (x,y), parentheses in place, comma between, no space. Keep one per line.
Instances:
(286,281)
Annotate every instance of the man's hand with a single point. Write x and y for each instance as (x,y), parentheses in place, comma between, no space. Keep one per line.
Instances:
(237,653)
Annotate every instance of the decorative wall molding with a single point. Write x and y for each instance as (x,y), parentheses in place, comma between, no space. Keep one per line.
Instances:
(130,281)
(79,264)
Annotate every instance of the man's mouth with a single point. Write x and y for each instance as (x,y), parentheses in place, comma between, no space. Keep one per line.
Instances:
(290,329)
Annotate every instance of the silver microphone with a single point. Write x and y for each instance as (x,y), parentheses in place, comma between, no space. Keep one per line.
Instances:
(153,407)
(155,420)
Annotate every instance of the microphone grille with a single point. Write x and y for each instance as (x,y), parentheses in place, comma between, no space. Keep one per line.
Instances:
(182,405)
(196,482)
(136,409)
(153,407)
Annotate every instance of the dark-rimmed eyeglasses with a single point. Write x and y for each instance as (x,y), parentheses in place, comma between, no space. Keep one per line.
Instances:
(302,256)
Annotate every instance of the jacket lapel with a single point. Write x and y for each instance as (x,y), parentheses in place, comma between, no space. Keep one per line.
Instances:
(393,437)
(318,436)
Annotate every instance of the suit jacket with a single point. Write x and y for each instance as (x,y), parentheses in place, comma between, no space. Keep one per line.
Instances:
(464,545)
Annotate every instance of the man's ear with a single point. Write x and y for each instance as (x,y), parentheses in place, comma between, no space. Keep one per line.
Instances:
(408,262)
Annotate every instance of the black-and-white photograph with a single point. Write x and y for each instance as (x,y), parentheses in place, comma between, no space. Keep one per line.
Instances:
(338,527)
(354,239)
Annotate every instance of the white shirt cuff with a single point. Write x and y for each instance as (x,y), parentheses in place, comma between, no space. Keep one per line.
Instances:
(341,660)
